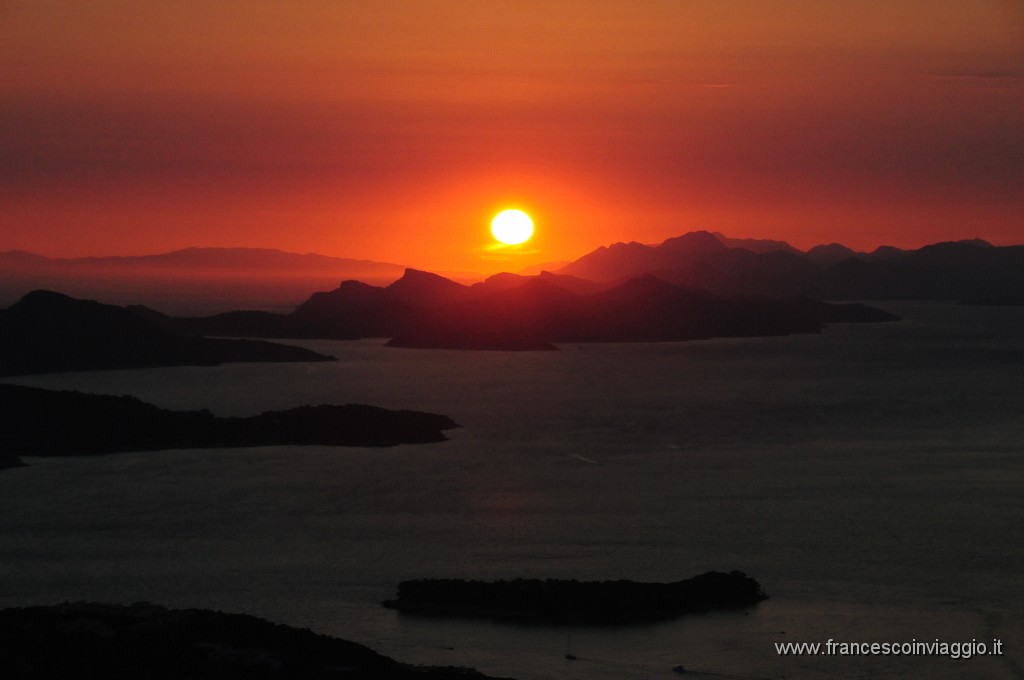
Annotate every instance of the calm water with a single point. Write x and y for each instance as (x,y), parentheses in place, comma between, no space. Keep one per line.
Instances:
(870,477)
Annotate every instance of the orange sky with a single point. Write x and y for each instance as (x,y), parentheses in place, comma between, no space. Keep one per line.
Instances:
(393,130)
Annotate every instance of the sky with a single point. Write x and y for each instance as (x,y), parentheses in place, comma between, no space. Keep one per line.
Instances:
(394,130)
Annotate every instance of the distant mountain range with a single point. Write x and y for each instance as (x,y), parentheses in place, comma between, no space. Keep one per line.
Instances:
(969,271)
(190,281)
(698,285)
(202,281)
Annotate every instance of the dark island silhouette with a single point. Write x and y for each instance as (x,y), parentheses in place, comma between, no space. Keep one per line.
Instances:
(645,309)
(38,422)
(48,332)
(511,312)
(116,642)
(571,601)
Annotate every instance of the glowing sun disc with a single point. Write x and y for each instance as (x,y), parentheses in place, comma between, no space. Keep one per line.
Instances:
(512,227)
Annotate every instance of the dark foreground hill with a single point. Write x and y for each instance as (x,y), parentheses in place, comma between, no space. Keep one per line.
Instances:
(48,332)
(40,422)
(510,312)
(563,601)
(115,642)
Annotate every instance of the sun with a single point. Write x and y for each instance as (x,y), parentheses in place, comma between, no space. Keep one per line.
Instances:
(512,227)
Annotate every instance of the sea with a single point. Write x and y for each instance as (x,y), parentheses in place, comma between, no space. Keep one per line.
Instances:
(870,477)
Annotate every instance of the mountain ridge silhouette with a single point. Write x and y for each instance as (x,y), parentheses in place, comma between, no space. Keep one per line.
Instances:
(514,312)
(950,270)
